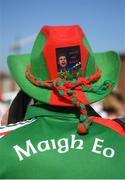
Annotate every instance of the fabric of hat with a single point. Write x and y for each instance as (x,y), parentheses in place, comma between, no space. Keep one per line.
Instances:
(82,78)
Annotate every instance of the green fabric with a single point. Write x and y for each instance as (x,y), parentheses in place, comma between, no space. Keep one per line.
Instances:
(90,63)
(38,63)
(108,63)
(52,125)
(90,60)
(18,74)
(43,109)
(86,43)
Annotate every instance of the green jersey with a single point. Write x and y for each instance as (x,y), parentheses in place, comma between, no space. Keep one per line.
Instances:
(47,145)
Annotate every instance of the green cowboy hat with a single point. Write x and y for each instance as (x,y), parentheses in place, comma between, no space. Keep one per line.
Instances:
(62,68)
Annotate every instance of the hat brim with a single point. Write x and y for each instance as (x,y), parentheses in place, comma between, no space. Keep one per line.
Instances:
(108,63)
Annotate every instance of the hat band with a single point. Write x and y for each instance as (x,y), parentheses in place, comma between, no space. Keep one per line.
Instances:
(67,89)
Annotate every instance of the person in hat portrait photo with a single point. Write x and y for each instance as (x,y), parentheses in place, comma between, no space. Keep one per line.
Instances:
(62,61)
(52,130)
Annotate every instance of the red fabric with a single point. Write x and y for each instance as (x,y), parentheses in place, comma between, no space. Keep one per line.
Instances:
(4,133)
(110,124)
(60,37)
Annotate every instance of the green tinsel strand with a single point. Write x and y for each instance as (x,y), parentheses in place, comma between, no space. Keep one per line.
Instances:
(74,81)
(70,92)
(108,82)
(83,118)
(59,83)
(74,100)
(84,89)
(82,106)
(61,92)
(94,89)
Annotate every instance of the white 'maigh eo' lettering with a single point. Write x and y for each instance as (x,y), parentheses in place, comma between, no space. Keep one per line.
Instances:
(62,146)
(41,145)
(96,145)
(76,141)
(29,147)
(97,148)
(110,154)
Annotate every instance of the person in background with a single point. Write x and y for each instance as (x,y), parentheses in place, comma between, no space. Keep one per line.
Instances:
(114,105)
(17,109)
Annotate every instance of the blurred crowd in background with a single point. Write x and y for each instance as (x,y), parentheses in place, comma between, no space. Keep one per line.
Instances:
(112,107)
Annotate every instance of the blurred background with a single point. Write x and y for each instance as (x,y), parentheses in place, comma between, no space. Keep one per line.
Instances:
(103,22)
